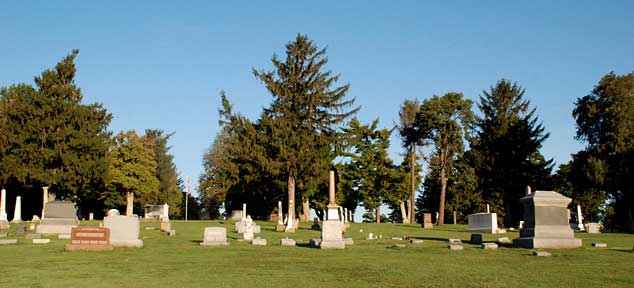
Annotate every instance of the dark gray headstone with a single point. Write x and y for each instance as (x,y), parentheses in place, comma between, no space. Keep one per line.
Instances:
(60,209)
(476,239)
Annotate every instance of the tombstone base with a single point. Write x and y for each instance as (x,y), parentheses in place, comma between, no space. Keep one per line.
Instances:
(289,229)
(280,227)
(331,236)
(214,243)
(88,247)
(54,229)
(315,227)
(427,225)
(337,244)
(532,243)
(127,243)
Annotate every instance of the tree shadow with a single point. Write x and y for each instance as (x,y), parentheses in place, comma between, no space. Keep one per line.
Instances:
(196,241)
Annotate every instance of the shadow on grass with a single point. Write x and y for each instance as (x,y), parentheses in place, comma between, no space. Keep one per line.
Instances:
(196,241)
(626,250)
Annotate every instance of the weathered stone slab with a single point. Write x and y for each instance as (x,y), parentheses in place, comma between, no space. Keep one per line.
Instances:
(258,242)
(400,245)
(599,245)
(20,229)
(32,236)
(86,238)
(41,241)
(542,253)
(416,241)
(166,226)
(504,240)
(59,218)
(215,236)
(427,223)
(3,234)
(287,242)
(455,247)
(348,241)
(8,241)
(455,241)
(484,222)
(476,239)
(489,246)
(331,235)
(63,236)
(124,231)
(280,227)
(594,228)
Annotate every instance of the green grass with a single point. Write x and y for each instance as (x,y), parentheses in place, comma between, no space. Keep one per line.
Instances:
(179,261)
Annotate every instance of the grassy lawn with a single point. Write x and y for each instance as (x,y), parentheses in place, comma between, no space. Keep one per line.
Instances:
(179,261)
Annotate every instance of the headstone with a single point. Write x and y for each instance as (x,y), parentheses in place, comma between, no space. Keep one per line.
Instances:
(215,236)
(32,227)
(287,242)
(87,238)
(63,236)
(484,222)
(4,223)
(258,242)
(32,236)
(171,232)
(3,234)
(113,212)
(91,216)
(154,212)
(455,241)
(235,215)
(44,199)
(315,224)
(476,239)
(248,232)
(546,224)
(124,231)
(41,241)
(489,246)
(331,232)
(59,218)
(593,228)
(416,241)
(427,222)
(455,247)
(129,207)
(8,241)
(541,253)
(166,225)
(17,212)
(599,245)
(20,229)
(371,236)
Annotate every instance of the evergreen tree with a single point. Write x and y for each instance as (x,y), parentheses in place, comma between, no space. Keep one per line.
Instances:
(168,190)
(605,120)
(412,137)
(505,150)
(447,118)
(49,138)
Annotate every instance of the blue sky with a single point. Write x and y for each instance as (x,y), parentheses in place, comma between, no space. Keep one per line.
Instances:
(161,65)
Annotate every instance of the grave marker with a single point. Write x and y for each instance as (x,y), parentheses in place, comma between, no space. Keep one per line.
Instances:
(86,238)
(215,236)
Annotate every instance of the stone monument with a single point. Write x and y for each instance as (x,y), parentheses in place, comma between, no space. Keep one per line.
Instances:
(546,222)
(280,218)
(331,233)
(4,223)
(129,207)
(89,239)
(124,230)
(579,226)
(59,218)
(427,223)
(17,212)
(484,222)
(315,224)
(215,236)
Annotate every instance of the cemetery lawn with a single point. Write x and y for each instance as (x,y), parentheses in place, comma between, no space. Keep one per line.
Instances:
(179,261)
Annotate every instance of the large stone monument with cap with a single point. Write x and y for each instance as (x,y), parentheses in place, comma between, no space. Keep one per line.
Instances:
(332,230)
(546,221)
(59,218)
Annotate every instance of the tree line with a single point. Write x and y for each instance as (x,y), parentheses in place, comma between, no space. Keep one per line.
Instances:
(49,137)
(474,156)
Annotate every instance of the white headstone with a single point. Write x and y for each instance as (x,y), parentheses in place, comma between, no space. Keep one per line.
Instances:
(248,232)
(124,230)
(244,210)
(113,212)
(280,219)
(579,218)
(488,210)
(44,199)
(91,216)
(17,213)
(214,236)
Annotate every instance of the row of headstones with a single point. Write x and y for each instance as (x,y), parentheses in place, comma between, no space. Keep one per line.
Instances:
(217,236)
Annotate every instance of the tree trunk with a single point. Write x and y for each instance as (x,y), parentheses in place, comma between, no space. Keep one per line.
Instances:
(404,213)
(443,185)
(455,217)
(129,209)
(305,210)
(412,175)
(291,198)
(378,214)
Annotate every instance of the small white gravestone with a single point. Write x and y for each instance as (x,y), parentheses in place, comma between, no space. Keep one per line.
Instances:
(41,241)
(91,216)
(258,242)
(215,236)
(4,222)
(17,213)
(113,212)
(579,219)
(166,209)
(248,232)
(287,242)
(593,228)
